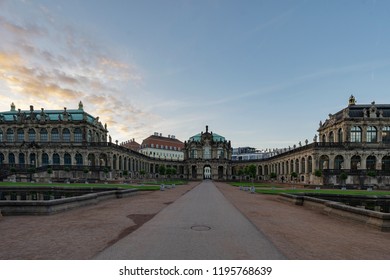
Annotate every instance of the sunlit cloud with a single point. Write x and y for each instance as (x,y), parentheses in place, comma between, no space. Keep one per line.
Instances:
(55,64)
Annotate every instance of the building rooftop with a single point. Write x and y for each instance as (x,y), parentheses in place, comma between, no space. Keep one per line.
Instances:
(48,115)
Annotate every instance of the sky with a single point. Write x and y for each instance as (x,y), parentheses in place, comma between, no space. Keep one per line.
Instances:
(261,73)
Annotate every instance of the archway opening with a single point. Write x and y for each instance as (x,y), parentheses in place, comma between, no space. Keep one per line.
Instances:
(207,172)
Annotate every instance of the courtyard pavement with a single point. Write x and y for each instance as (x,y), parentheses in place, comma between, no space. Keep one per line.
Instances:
(201,225)
(86,232)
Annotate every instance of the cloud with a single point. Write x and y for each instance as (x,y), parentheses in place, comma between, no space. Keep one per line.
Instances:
(55,63)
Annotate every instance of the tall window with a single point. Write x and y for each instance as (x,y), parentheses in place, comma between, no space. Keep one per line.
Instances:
(79,159)
(67,159)
(43,134)
(89,137)
(21,158)
(386,134)
(220,153)
(55,136)
(1,158)
(10,135)
(194,153)
(371,134)
(355,162)
(338,162)
(31,135)
(303,165)
(66,135)
(386,163)
(56,159)
(371,163)
(20,135)
(78,135)
(331,137)
(356,134)
(45,159)
(340,135)
(11,158)
(206,152)
(1,135)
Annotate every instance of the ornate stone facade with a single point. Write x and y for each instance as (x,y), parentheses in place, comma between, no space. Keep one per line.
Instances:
(74,144)
(208,156)
(354,141)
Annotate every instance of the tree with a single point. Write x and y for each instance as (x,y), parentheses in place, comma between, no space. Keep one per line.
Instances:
(294,175)
(168,172)
(161,170)
(343,177)
(273,175)
(240,173)
(252,171)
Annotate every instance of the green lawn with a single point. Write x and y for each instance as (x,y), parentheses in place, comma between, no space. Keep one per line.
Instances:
(346,192)
(257,185)
(78,185)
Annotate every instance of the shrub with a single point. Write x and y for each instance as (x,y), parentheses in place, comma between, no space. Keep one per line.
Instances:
(343,176)
(318,173)
(371,173)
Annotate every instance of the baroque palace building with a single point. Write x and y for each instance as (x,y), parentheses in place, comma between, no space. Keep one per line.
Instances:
(73,144)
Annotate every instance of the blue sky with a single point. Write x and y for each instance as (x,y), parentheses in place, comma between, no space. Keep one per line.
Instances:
(260,73)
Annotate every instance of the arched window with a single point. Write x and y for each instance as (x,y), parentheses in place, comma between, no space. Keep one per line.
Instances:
(45,159)
(324,162)
(43,135)
(78,135)
(324,138)
(89,136)
(67,159)
(31,135)
(386,163)
(79,159)
(371,163)
(386,134)
(120,163)
(355,162)
(10,135)
(11,158)
(20,135)
(56,159)
(114,162)
(371,134)
(206,152)
(303,165)
(338,162)
(297,165)
(1,135)
(33,159)
(194,153)
(21,158)
(340,135)
(55,136)
(356,134)
(309,164)
(65,135)
(291,166)
(331,137)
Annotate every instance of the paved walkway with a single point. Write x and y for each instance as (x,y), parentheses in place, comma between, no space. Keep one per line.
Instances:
(203,225)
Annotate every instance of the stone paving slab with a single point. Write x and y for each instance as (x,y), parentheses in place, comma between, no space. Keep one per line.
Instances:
(201,225)
(84,232)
